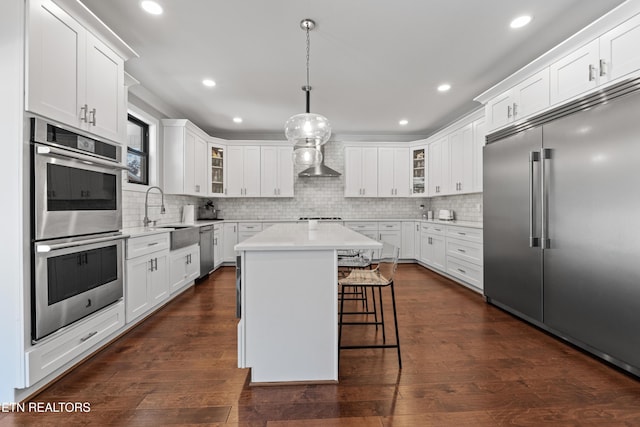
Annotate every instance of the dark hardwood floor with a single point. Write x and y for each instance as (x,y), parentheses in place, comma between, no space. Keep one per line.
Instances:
(464,363)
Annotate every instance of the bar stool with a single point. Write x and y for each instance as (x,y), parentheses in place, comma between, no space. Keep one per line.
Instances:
(378,278)
(349,260)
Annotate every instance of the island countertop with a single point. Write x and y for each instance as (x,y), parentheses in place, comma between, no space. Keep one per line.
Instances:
(303,237)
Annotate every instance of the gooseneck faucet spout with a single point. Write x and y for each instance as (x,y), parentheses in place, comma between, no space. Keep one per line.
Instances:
(146,221)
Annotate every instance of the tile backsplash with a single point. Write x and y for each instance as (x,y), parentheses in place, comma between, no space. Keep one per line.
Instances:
(313,197)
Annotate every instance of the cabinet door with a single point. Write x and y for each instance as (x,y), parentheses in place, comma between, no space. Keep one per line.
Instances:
(575,73)
(532,95)
(269,172)
(353,172)
(393,237)
(105,91)
(193,264)
(234,172)
(439,167)
(189,162)
(229,240)
(386,164)
(425,248)
(407,241)
(479,133)
(216,170)
(417,241)
(177,270)
(419,171)
(370,172)
(55,83)
(402,172)
(251,171)
(217,248)
(200,167)
(137,293)
(438,252)
(499,110)
(461,160)
(285,172)
(159,289)
(619,50)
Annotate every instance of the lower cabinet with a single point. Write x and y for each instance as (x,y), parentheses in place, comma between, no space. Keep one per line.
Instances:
(229,241)
(432,246)
(147,280)
(217,246)
(407,248)
(248,229)
(184,267)
(465,255)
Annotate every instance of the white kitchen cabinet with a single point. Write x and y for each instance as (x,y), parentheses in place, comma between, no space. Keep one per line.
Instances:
(479,134)
(575,73)
(276,171)
(185,158)
(361,172)
(419,171)
(461,160)
(248,229)
(407,241)
(147,281)
(525,99)
(465,255)
(432,248)
(243,171)
(417,243)
(72,76)
(217,245)
(390,232)
(217,167)
(439,177)
(619,51)
(184,267)
(229,241)
(394,172)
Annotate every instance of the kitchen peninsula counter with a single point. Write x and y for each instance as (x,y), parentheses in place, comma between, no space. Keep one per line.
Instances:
(288,328)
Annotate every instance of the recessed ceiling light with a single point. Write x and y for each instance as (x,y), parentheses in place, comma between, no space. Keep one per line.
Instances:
(444,87)
(208,83)
(151,7)
(403,122)
(520,21)
(237,120)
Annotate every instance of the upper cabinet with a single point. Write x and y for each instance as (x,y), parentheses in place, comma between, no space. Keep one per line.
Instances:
(243,171)
(361,171)
(185,153)
(479,134)
(528,97)
(71,75)
(419,171)
(438,182)
(276,171)
(575,73)
(217,162)
(619,50)
(461,160)
(394,172)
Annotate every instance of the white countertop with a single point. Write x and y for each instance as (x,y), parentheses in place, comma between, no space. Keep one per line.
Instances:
(300,237)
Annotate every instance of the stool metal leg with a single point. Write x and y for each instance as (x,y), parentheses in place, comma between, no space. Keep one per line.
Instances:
(395,322)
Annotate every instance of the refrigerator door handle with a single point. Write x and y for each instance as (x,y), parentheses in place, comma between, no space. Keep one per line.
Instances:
(544,183)
(534,242)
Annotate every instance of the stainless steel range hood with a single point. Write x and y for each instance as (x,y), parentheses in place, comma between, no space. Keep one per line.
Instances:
(320,170)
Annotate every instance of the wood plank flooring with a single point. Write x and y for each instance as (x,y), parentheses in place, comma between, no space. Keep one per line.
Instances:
(465,363)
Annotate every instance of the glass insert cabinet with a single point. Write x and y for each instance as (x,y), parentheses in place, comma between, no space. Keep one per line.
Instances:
(419,170)
(217,170)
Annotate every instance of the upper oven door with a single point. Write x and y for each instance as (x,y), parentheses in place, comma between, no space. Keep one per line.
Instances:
(74,194)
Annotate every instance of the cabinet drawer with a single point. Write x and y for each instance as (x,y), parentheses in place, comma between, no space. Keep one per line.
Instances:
(362,225)
(465,271)
(465,233)
(465,250)
(433,228)
(388,226)
(250,226)
(46,357)
(138,246)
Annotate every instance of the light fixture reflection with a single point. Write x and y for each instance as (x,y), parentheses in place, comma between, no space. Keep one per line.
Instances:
(151,7)
(306,155)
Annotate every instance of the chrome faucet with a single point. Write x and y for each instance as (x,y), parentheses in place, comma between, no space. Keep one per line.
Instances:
(146,221)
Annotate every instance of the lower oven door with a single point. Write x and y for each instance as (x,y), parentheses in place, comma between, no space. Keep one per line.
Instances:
(74,278)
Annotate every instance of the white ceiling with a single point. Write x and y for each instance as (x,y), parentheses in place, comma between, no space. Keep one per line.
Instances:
(373,62)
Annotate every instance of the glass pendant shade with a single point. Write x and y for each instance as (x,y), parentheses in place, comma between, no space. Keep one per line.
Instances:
(306,155)
(307,128)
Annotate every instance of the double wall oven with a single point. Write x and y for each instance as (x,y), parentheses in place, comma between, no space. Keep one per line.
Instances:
(76,215)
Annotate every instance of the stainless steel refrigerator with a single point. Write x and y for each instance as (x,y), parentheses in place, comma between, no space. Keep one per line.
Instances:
(562,222)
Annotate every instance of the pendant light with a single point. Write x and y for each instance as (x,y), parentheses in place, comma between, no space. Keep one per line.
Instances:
(307,131)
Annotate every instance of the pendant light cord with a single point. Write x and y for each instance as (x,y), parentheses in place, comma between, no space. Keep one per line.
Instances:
(307,88)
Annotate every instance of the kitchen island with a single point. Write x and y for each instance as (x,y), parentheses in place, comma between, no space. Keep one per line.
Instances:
(288,300)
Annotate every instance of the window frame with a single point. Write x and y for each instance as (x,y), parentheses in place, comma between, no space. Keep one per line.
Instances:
(154,151)
(145,150)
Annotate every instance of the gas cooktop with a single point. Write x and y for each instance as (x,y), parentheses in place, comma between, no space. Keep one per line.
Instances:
(321,218)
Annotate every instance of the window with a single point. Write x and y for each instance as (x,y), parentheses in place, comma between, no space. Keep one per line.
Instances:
(137,151)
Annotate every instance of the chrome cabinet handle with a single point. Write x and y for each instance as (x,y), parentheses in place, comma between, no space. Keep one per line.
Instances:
(462,251)
(592,70)
(462,271)
(197,188)
(461,233)
(83,113)
(534,242)
(508,111)
(603,68)
(92,117)
(151,264)
(515,109)
(89,335)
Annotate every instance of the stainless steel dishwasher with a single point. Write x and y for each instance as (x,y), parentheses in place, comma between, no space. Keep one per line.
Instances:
(206,250)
